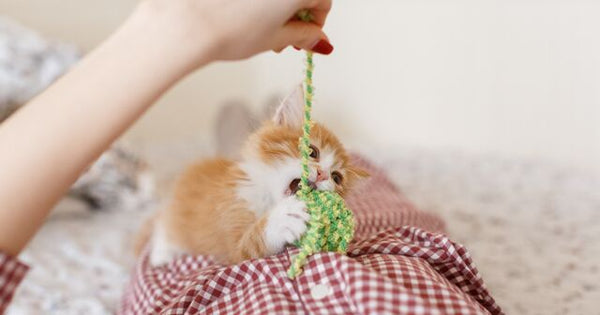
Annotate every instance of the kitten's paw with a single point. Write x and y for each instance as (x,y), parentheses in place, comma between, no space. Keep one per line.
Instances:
(162,251)
(161,257)
(286,223)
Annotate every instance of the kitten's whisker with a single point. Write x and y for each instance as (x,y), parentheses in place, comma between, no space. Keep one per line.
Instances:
(293,215)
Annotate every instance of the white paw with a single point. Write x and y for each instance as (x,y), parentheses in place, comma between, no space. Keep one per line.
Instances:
(286,223)
(161,257)
(162,251)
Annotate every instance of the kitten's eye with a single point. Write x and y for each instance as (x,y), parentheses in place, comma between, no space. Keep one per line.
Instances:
(295,185)
(337,177)
(314,152)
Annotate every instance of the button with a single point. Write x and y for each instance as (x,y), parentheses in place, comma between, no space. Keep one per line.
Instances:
(320,291)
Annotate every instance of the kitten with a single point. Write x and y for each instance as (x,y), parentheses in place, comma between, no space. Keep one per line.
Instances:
(239,210)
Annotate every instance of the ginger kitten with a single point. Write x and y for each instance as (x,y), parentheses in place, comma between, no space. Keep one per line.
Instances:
(238,210)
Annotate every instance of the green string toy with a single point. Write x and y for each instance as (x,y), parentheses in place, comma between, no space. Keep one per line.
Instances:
(331,224)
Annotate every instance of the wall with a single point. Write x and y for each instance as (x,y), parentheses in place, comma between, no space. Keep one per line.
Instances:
(515,78)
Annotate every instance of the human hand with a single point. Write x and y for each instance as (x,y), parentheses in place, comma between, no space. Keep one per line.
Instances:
(201,31)
(160,43)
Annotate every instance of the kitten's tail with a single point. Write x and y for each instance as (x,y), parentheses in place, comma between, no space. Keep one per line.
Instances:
(144,235)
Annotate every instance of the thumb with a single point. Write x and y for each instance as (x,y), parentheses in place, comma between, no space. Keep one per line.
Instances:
(303,35)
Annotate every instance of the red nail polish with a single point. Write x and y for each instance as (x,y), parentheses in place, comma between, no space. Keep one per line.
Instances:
(296,48)
(323,47)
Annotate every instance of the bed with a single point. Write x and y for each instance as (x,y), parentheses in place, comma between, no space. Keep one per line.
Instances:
(532,227)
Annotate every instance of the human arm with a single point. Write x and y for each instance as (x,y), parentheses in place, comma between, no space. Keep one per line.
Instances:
(48,143)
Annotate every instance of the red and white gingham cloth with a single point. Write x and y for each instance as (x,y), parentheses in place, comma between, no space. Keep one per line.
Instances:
(11,274)
(398,263)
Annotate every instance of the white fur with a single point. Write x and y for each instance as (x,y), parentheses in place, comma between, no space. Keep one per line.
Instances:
(286,223)
(266,187)
(327,160)
(327,164)
(326,185)
(163,251)
(265,192)
(267,184)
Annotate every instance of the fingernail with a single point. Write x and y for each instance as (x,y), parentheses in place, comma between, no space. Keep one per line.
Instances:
(296,48)
(323,47)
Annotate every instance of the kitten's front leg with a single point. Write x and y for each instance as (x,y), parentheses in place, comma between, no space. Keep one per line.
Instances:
(286,222)
(269,235)
(163,250)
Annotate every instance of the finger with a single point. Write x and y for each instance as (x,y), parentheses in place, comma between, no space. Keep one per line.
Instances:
(318,8)
(303,35)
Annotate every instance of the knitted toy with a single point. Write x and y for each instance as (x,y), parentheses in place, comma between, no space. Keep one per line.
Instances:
(331,224)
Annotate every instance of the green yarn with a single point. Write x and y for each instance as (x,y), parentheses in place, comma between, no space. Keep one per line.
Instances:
(331,224)
(305,15)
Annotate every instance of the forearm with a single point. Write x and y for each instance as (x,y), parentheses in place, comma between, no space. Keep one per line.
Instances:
(69,125)
(46,145)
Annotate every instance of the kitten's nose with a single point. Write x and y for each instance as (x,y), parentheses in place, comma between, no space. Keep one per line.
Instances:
(321,175)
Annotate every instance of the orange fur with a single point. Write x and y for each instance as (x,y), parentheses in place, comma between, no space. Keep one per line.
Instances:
(206,217)
(274,142)
(207,214)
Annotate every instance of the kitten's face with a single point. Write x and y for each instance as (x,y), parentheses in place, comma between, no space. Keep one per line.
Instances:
(271,155)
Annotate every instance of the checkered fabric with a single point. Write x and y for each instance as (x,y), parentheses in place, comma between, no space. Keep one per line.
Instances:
(399,262)
(11,274)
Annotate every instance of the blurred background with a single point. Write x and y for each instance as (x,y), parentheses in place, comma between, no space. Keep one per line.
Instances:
(515,78)
(486,112)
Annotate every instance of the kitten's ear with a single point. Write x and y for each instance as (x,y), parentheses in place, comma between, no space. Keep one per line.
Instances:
(290,112)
